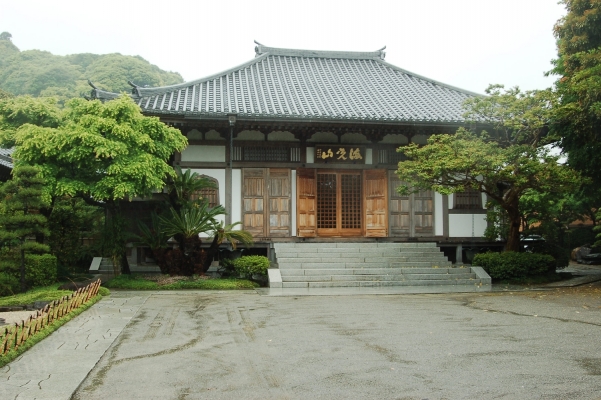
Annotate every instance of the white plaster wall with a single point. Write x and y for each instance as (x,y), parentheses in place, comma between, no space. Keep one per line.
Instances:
(460,225)
(369,156)
(310,155)
(293,203)
(438,217)
(204,153)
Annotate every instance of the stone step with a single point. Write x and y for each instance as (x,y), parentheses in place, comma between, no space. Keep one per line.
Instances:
(375,278)
(281,246)
(369,260)
(346,254)
(429,282)
(370,271)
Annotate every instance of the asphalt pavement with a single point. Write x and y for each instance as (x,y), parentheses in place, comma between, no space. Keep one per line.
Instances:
(226,345)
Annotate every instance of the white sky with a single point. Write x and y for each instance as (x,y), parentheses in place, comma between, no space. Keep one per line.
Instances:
(464,43)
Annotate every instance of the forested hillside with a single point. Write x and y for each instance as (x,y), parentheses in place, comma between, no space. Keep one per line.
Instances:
(40,73)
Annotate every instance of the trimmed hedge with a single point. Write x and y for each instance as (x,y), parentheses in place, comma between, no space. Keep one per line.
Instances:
(509,264)
(251,265)
(40,270)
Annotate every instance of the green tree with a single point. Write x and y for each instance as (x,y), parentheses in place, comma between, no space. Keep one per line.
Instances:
(41,73)
(504,164)
(104,153)
(20,219)
(578,114)
(5,36)
(112,72)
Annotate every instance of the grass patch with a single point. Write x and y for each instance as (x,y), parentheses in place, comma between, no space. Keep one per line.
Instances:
(36,338)
(45,293)
(163,282)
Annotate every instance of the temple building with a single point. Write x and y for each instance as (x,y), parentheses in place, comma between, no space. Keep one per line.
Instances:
(302,145)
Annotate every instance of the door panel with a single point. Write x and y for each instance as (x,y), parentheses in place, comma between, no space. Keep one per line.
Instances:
(339,203)
(400,208)
(411,215)
(253,194)
(376,201)
(279,202)
(306,203)
(266,202)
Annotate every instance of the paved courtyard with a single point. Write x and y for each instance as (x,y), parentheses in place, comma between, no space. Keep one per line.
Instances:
(240,345)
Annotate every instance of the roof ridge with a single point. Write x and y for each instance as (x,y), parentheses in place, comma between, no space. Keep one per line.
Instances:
(261,49)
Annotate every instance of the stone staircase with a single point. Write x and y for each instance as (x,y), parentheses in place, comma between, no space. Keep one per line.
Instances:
(322,265)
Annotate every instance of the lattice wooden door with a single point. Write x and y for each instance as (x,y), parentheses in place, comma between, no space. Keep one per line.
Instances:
(339,203)
(266,202)
(411,215)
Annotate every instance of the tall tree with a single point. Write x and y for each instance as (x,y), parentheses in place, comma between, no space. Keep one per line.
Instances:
(578,116)
(104,153)
(20,219)
(506,163)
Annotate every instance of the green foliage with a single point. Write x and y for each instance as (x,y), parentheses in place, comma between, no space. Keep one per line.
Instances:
(46,293)
(224,232)
(191,221)
(20,218)
(70,220)
(5,95)
(510,264)
(111,72)
(9,284)
(103,291)
(251,265)
(578,118)
(101,151)
(504,164)
(40,73)
(41,270)
(135,282)
(183,188)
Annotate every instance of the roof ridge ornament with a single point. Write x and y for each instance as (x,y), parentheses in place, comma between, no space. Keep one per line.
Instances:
(261,49)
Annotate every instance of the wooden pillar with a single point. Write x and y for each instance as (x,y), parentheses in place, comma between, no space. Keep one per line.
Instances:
(228,170)
(445,216)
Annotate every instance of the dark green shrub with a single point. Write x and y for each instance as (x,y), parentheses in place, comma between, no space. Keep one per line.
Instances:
(509,264)
(40,270)
(9,284)
(251,265)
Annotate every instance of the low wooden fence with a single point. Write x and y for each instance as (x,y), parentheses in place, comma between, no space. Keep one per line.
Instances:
(15,335)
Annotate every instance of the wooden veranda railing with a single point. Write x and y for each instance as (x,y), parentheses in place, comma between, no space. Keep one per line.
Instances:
(15,335)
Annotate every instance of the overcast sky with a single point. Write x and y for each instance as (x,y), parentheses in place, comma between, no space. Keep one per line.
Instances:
(464,43)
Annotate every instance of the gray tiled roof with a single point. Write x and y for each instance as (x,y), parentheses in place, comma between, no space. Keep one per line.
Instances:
(309,85)
(6,157)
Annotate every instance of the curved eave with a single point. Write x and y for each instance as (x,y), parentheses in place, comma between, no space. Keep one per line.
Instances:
(302,120)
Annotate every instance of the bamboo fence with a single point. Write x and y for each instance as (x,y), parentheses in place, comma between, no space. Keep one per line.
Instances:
(15,335)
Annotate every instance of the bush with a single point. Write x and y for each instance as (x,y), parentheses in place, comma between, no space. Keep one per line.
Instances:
(9,285)
(510,265)
(251,265)
(40,270)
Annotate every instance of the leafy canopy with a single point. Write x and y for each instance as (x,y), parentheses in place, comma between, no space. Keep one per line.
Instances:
(578,116)
(99,151)
(505,163)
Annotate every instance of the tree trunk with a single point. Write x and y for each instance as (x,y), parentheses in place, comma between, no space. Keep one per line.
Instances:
(513,239)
